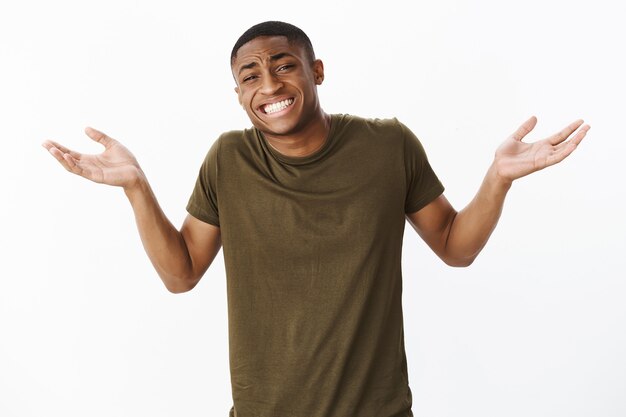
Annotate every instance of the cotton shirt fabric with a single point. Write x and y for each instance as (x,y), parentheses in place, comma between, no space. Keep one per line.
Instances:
(312,250)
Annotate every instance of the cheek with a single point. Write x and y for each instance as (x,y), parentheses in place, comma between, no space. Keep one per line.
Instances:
(245,98)
(247,102)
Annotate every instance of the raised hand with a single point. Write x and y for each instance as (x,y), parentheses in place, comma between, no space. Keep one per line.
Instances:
(116,165)
(515,159)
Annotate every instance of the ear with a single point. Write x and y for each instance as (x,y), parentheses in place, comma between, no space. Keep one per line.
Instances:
(238,96)
(318,71)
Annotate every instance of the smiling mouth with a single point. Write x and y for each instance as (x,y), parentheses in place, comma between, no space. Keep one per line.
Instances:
(278,106)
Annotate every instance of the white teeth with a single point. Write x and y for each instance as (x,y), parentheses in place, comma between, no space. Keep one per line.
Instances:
(274,107)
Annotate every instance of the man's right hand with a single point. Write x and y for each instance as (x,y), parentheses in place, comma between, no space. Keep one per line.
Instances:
(179,257)
(115,166)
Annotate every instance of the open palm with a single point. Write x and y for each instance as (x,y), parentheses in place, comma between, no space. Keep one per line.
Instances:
(116,165)
(515,159)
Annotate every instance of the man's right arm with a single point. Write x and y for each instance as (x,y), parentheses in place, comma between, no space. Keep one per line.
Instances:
(179,257)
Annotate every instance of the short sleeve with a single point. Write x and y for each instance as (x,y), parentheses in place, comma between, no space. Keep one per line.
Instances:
(203,200)
(422,185)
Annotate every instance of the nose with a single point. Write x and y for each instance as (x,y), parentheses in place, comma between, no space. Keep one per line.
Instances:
(270,84)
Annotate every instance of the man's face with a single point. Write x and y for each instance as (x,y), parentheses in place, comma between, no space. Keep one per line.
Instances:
(277,84)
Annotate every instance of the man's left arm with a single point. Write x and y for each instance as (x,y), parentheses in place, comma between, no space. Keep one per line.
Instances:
(458,237)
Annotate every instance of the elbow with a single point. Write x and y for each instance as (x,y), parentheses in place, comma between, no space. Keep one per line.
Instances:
(458,259)
(459,262)
(178,285)
(178,289)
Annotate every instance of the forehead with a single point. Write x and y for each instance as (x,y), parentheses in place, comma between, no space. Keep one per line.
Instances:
(263,47)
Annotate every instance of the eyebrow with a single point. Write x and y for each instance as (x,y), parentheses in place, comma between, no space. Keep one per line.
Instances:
(273,58)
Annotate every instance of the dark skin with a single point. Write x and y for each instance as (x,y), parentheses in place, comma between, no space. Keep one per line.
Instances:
(271,71)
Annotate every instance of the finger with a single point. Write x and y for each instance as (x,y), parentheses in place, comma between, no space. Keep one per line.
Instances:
(50,143)
(565,133)
(524,129)
(61,157)
(99,137)
(560,155)
(565,149)
(75,166)
(580,135)
(71,162)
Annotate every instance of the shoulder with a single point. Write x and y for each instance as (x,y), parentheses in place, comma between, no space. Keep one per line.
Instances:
(381,131)
(229,142)
(369,123)
(233,137)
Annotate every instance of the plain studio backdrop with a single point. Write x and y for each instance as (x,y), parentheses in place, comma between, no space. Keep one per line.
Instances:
(535,327)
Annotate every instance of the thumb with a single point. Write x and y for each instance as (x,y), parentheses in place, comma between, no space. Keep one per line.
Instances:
(524,129)
(99,137)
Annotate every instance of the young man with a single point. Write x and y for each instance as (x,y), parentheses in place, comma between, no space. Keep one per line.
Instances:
(310,209)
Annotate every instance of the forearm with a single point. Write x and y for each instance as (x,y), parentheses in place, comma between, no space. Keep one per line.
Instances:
(471,228)
(163,243)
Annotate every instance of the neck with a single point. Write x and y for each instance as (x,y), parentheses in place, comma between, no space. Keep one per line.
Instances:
(307,141)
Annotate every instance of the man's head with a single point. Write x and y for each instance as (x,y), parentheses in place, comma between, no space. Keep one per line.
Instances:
(277,77)
(294,35)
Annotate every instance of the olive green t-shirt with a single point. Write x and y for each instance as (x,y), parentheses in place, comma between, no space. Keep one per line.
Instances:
(312,250)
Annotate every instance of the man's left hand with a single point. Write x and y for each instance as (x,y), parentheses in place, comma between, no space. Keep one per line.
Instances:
(515,159)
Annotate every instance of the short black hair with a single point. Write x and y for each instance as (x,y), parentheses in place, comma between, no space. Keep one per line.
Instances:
(274,28)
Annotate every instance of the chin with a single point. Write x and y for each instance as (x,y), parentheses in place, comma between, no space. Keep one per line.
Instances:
(278,127)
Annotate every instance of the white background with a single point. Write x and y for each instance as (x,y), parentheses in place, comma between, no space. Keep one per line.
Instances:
(536,327)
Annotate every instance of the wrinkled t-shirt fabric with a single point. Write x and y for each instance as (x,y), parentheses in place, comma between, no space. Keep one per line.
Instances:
(312,251)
